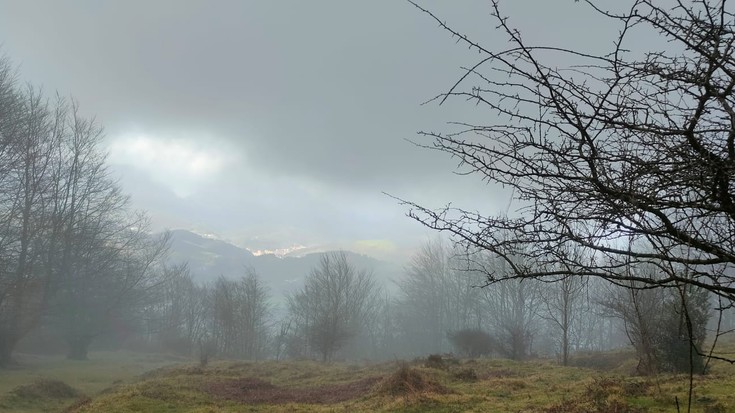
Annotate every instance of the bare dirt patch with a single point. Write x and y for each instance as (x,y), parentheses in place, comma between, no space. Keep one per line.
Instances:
(256,391)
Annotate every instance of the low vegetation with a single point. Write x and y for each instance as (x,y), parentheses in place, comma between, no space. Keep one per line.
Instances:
(53,383)
(117,385)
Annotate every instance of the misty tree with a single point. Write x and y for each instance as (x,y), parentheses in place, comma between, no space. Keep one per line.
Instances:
(27,145)
(435,298)
(34,192)
(561,301)
(472,342)
(333,307)
(107,286)
(175,318)
(99,255)
(382,331)
(106,258)
(625,155)
(512,309)
(667,327)
(67,236)
(255,310)
(240,312)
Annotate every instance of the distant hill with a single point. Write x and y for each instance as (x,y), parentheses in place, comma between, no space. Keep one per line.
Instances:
(208,258)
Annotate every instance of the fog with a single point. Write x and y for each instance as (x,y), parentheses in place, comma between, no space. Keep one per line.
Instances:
(218,117)
(241,180)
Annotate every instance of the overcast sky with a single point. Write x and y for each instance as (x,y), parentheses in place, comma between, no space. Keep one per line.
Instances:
(275,124)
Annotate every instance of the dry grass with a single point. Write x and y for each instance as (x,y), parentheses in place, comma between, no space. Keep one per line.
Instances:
(51,383)
(250,390)
(45,389)
(408,381)
(305,386)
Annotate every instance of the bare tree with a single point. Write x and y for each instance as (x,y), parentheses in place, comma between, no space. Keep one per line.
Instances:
(623,145)
(240,314)
(108,285)
(667,327)
(625,157)
(562,309)
(99,256)
(512,316)
(28,140)
(436,298)
(72,253)
(333,306)
(254,314)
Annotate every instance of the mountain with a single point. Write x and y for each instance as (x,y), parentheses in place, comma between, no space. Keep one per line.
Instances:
(208,258)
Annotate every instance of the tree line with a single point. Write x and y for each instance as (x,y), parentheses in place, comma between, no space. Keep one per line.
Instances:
(437,307)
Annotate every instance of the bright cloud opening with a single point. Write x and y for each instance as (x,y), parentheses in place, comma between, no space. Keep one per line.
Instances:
(179,163)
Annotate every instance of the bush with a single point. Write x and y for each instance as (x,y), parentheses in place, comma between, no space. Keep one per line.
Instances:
(439,361)
(673,340)
(472,343)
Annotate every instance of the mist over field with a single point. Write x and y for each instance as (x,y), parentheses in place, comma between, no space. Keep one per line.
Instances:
(375,206)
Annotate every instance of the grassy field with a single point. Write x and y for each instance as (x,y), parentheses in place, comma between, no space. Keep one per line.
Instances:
(32,384)
(115,382)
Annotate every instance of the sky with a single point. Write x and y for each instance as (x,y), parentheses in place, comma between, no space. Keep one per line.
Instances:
(278,125)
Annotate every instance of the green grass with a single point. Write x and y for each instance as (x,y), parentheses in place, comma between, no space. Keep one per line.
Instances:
(499,386)
(102,371)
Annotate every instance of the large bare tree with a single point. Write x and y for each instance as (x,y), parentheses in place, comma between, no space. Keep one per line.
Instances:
(241,312)
(71,251)
(334,305)
(626,157)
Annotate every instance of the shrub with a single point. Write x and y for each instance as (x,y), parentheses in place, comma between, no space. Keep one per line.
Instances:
(472,343)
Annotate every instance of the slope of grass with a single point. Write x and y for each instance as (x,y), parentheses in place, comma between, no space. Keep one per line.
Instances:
(305,386)
(495,385)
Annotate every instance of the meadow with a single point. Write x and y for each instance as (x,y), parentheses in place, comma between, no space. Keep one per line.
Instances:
(131,382)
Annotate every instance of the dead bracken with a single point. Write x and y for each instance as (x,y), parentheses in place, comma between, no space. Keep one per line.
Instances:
(78,405)
(256,391)
(45,389)
(409,381)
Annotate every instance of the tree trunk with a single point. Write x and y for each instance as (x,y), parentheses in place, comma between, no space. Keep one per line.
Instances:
(9,337)
(7,343)
(565,347)
(78,348)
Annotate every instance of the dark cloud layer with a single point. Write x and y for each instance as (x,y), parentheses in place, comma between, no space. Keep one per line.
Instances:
(285,120)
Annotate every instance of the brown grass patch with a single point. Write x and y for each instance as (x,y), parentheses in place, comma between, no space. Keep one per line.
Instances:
(77,405)
(601,361)
(409,381)
(467,374)
(497,374)
(603,395)
(256,391)
(45,389)
(159,391)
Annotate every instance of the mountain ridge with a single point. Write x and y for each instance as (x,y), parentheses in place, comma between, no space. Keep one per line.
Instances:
(209,258)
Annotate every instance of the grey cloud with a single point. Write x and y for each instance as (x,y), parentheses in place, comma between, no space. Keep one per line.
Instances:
(319,94)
